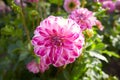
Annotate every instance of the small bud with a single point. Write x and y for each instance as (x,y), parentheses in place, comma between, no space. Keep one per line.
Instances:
(89,33)
(33,13)
(99,25)
(33,67)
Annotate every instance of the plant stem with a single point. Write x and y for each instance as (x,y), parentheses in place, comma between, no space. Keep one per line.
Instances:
(37,8)
(24,21)
(83,3)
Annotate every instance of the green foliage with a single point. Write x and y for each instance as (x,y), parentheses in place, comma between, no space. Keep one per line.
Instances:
(110,53)
(57,2)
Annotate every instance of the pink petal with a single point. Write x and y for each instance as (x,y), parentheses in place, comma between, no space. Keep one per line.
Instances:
(43,34)
(75,53)
(48,60)
(71,60)
(48,31)
(42,52)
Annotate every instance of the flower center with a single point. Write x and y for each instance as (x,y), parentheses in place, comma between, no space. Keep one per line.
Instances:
(56,41)
(71,5)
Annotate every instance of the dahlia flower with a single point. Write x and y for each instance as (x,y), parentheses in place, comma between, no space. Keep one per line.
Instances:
(101,0)
(57,41)
(117,5)
(32,0)
(109,5)
(18,2)
(44,64)
(98,0)
(33,67)
(71,5)
(84,18)
(4,8)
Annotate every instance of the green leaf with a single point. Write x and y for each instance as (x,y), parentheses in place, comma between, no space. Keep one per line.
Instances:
(18,31)
(37,59)
(23,56)
(66,75)
(98,55)
(110,53)
(7,30)
(99,46)
(57,2)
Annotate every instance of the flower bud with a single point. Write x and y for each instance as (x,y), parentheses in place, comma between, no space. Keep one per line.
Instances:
(89,33)
(33,13)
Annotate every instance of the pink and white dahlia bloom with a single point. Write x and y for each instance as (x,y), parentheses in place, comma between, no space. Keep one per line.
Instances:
(33,67)
(98,0)
(4,8)
(32,0)
(44,63)
(18,3)
(57,41)
(71,5)
(117,5)
(101,0)
(84,18)
(109,5)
